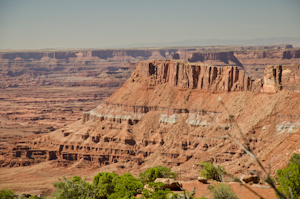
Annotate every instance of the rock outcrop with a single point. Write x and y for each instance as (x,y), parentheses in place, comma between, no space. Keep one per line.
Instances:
(252,59)
(170,183)
(272,79)
(174,113)
(195,76)
(291,77)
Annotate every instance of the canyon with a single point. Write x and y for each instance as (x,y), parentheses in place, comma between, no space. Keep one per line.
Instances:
(127,110)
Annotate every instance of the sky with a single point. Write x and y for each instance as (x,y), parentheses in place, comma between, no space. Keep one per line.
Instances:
(38,24)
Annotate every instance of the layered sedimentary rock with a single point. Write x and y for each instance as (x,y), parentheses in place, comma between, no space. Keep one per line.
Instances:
(225,57)
(161,116)
(195,76)
(291,77)
(253,62)
(241,57)
(272,79)
(252,59)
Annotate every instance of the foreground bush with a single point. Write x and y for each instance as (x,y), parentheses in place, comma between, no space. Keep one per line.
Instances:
(126,186)
(289,178)
(156,172)
(74,187)
(222,191)
(7,194)
(112,186)
(104,183)
(211,171)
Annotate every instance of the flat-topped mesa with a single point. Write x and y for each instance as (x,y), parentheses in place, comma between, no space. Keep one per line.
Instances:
(184,74)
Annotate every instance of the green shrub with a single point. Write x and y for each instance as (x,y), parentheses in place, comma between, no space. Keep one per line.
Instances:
(222,191)
(289,178)
(74,187)
(211,171)
(104,183)
(113,186)
(156,172)
(125,186)
(7,194)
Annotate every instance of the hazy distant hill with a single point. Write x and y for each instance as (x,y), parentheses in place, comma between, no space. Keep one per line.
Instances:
(295,41)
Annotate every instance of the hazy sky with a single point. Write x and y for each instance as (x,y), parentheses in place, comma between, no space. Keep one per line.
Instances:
(35,24)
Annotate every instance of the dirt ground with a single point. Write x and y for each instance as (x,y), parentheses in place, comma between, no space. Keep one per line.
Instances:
(38,179)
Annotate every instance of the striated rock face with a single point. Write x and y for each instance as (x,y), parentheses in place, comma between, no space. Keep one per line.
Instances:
(102,54)
(225,57)
(290,54)
(169,113)
(253,62)
(291,77)
(195,76)
(272,79)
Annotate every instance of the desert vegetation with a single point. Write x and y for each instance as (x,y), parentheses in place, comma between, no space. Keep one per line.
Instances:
(211,171)
(106,185)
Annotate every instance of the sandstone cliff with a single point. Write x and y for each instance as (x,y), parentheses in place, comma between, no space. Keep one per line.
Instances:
(195,76)
(252,60)
(163,115)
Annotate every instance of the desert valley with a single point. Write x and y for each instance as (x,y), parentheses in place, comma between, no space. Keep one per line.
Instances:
(79,112)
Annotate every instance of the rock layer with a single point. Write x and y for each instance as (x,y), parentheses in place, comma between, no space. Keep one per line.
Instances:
(162,116)
(195,76)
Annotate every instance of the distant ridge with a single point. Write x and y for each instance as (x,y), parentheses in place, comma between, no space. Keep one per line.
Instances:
(295,41)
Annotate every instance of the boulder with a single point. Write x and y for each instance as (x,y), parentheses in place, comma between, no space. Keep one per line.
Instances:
(147,187)
(171,184)
(250,178)
(202,179)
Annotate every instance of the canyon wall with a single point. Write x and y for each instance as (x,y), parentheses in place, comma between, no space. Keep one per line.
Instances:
(169,112)
(198,76)
(252,60)
(163,114)
(195,76)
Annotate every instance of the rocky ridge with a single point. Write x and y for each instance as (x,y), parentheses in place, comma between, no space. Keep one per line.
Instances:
(169,112)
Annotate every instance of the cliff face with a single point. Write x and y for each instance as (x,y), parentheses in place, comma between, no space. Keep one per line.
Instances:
(291,77)
(221,57)
(195,76)
(102,54)
(237,57)
(252,60)
(272,79)
(169,113)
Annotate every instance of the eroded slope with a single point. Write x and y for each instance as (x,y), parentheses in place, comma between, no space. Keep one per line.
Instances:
(169,112)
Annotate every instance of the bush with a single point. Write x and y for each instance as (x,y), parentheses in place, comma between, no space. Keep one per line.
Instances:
(156,172)
(211,171)
(7,194)
(125,186)
(74,187)
(113,186)
(289,178)
(104,183)
(222,191)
